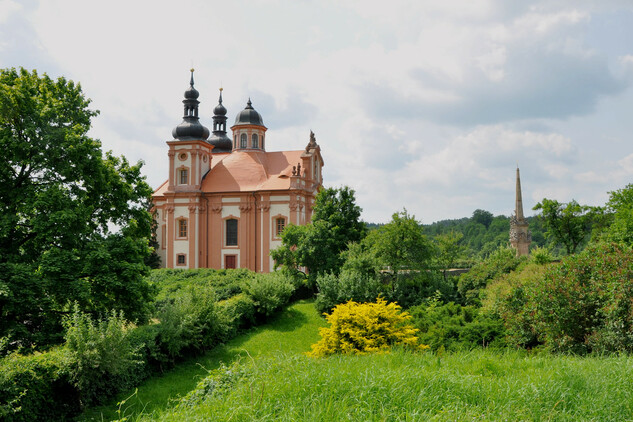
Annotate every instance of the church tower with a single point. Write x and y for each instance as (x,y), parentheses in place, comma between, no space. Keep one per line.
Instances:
(520,236)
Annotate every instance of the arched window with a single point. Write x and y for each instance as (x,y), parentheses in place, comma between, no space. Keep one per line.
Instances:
(231,232)
(243,139)
(235,142)
(255,140)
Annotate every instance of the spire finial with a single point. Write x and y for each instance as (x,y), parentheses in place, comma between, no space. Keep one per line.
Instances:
(191,83)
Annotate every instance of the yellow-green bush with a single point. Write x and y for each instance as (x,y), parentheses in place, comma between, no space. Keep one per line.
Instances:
(361,328)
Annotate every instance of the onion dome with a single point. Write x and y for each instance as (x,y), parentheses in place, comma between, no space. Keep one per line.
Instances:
(219,140)
(219,109)
(249,116)
(190,128)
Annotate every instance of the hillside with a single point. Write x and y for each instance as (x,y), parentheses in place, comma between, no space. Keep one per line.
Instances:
(275,381)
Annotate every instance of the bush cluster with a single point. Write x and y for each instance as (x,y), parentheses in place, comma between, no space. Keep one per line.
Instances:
(454,327)
(582,304)
(360,328)
(105,355)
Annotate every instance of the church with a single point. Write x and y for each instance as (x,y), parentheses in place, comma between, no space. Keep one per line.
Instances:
(227,199)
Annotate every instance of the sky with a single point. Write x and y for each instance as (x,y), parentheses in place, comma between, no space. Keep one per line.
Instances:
(424,105)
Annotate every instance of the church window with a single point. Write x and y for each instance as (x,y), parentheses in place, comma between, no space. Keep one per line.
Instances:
(183,176)
(243,139)
(231,232)
(255,140)
(280,224)
(182,228)
(181,259)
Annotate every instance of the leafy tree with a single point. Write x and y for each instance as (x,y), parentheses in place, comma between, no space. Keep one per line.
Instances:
(74,224)
(620,207)
(318,245)
(448,250)
(401,244)
(568,224)
(482,217)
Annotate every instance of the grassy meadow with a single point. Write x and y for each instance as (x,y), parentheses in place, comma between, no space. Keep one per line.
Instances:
(274,380)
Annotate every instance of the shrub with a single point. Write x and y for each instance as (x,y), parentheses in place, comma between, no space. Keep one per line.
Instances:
(416,287)
(349,285)
(360,328)
(503,261)
(454,327)
(233,314)
(269,292)
(102,360)
(188,322)
(37,387)
(583,304)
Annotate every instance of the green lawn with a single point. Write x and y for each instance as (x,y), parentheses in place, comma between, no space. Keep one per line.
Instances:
(292,331)
(278,382)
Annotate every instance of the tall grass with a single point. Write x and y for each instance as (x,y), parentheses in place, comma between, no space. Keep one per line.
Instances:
(401,386)
(291,331)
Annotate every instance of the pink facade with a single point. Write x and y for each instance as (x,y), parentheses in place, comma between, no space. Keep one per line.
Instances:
(227,209)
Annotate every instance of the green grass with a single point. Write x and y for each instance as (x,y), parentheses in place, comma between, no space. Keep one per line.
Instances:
(402,386)
(279,383)
(292,331)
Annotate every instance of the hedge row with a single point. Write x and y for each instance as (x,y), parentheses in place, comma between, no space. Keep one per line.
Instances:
(105,356)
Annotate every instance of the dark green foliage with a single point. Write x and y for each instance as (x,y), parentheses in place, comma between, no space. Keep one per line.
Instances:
(269,292)
(37,387)
(225,283)
(188,323)
(401,244)
(582,304)
(318,245)
(620,209)
(503,261)
(234,314)
(482,217)
(101,358)
(59,197)
(454,327)
(568,224)
(349,285)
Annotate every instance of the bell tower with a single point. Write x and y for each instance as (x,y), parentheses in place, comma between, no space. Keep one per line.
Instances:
(520,236)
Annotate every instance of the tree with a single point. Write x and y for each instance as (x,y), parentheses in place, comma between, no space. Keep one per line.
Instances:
(448,249)
(620,208)
(401,244)
(482,217)
(74,224)
(318,245)
(568,224)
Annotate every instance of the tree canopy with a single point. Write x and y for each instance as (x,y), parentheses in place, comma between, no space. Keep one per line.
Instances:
(318,245)
(74,223)
(567,224)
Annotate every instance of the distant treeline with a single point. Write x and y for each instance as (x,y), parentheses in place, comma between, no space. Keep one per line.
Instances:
(483,233)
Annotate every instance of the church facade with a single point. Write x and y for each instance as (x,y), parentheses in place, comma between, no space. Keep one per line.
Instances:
(227,199)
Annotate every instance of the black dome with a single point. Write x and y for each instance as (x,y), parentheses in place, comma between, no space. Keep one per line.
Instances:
(249,116)
(220,142)
(190,129)
(192,93)
(219,110)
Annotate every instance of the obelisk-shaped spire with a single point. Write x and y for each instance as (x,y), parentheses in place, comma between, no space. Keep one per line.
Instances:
(518,211)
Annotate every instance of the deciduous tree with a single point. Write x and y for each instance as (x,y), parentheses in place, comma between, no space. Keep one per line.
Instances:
(568,224)
(74,224)
(318,245)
